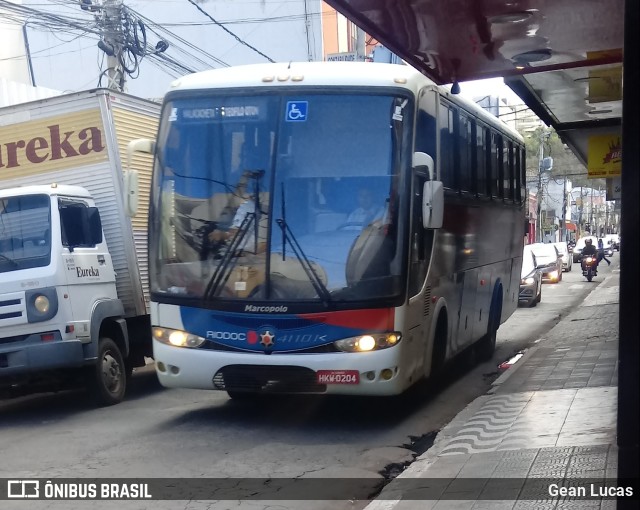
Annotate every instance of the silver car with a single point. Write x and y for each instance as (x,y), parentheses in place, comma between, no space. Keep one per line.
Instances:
(549,261)
(530,279)
(567,256)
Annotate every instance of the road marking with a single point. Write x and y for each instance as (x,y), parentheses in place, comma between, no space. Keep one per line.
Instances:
(576,286)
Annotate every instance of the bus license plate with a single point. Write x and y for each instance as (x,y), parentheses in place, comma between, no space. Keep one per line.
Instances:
(338,377)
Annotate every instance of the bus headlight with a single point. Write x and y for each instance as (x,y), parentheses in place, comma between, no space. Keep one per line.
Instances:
(367,343)
(177,338)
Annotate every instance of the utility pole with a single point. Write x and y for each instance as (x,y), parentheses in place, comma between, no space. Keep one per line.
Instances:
(563,220)
(361,47)
(113,39)
(580,208)
(539,197)
(591,214)
(307,29)
(599,213)
(109,19)
(539,234)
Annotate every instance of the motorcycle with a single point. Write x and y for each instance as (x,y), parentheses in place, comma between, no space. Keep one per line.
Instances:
(589,263)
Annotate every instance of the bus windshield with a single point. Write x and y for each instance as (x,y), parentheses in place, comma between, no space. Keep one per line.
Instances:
(25,232)
(279,197)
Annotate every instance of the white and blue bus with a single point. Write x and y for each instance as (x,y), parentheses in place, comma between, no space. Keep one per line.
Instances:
(327,228)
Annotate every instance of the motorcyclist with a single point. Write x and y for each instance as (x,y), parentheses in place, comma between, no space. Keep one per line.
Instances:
(589,249)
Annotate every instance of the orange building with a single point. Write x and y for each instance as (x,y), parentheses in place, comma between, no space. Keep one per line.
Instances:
(340,35)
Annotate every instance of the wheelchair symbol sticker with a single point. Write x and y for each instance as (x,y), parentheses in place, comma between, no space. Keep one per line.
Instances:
(297,111)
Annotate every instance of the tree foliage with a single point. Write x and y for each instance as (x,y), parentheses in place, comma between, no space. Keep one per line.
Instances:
(564,160)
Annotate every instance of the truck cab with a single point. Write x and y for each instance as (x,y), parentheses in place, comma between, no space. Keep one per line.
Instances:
(60,316)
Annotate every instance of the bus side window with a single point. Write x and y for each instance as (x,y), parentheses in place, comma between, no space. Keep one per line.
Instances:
(503,168)
(496,165)
(509,177)
(426,133)
(420,238)
(523,173)
(447,146)
(466,144)
(489,162)
(516,174)
(481,161)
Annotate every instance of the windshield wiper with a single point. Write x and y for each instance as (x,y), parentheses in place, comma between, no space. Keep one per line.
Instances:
(223,271)
(316,281)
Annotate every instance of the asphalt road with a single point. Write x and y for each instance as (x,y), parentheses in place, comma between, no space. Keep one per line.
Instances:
(162,433)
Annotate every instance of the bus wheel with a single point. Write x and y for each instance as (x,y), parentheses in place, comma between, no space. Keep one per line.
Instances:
(487,344)
(107,379)
(470,357)
(439,347)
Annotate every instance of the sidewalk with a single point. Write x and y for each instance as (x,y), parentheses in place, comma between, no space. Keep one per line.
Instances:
(550,418)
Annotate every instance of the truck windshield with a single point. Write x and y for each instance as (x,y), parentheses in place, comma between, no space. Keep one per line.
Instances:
(279,197)
(25,232)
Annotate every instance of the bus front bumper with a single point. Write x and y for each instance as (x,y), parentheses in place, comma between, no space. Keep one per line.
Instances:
(372,373)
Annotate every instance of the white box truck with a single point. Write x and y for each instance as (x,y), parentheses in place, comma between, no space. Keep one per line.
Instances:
(73,264)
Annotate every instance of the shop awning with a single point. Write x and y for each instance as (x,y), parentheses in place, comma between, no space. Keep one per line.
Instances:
(570,226)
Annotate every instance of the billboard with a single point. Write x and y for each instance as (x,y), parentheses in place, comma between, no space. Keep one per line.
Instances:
(604,156)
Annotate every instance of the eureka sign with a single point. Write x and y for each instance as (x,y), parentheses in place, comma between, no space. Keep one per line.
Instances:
(54,143)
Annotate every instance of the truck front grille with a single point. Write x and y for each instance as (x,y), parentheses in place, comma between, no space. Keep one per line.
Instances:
(12,309)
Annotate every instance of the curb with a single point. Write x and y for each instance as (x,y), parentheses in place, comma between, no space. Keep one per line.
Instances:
(512,370)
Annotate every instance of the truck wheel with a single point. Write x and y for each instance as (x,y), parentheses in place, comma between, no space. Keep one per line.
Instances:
(107,378)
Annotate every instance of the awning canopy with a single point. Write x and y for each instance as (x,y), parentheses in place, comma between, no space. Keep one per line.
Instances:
(562,57)
(570,226)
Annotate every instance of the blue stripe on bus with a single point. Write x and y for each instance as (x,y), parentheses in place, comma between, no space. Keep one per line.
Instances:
(261,332)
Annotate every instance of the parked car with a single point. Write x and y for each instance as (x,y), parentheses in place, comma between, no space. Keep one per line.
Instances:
(614,240)
(548,261)
(567,256)
(577,251)
(531,279)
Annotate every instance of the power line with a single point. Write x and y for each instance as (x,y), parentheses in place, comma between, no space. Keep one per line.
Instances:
(131,35)
(249,21)
(34,17)
(241,41)
(121,31)
(157,29)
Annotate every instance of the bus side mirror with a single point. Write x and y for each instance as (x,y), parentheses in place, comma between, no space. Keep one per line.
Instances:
(131,192)
(432,204)
(422,162)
